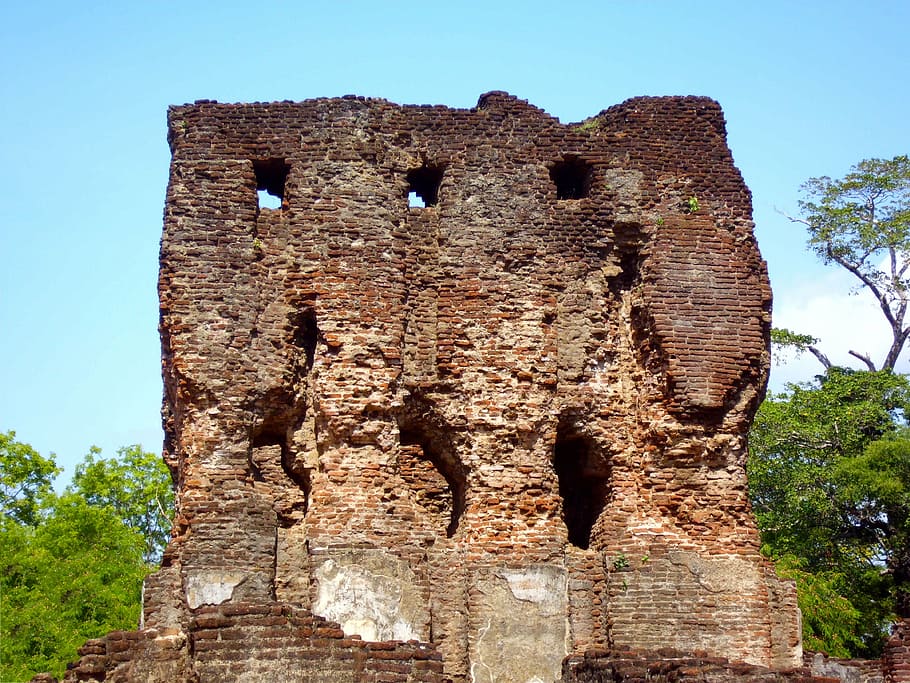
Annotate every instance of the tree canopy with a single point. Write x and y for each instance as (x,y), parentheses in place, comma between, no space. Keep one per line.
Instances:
(73,564)
(25,479)
(829,478)
(76,575)
(137,486)
(829,461)
(861,223)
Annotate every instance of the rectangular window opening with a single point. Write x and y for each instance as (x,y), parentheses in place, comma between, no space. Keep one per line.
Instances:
(271,176)
(423,186)
(572,177)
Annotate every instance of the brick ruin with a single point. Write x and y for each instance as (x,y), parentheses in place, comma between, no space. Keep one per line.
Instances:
(469,401)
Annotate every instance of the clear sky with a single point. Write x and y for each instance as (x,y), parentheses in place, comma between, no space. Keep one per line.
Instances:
(808,89)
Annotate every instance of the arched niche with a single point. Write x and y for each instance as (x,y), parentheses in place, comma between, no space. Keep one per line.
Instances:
(429,465)
(584,475)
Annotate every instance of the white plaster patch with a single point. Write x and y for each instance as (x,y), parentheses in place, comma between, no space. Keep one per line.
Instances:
(365,601)
(627,186)
(541,586)
(210,587)
(521,632)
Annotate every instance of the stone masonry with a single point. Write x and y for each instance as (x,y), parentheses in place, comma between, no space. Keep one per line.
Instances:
(479,435)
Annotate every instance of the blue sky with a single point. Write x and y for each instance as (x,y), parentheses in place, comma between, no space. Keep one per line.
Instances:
(808,89)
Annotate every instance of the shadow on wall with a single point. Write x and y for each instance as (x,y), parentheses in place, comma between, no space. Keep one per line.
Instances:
(584,482)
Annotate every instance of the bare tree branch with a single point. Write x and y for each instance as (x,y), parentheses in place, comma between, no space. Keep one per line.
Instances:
(793,219)
(864,358)
(868,283)
(860,223)
(822,358)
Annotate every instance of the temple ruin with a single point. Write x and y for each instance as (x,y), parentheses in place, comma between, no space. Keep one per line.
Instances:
(456,394)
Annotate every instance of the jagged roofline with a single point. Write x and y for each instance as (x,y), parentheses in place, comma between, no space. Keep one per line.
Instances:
(490,100)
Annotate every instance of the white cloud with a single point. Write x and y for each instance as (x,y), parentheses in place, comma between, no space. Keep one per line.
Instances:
(841,320)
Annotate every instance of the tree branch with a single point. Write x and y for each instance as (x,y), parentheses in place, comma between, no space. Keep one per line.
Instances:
(864,359)
(822,358)
(903,268)
(900,338)
(793,219)
(851,268)
(868,282)
(162,511)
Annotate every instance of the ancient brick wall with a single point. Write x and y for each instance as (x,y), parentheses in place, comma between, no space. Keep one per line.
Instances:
(896,658)
(510,422)
(847,670)
(668,666)
(253,642)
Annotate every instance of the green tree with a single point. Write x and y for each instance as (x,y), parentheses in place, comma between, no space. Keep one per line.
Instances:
(75,576)
(72,565)
(824,466)
(137,486)
(875,487)
(831,623)
(25,479)
(862,223)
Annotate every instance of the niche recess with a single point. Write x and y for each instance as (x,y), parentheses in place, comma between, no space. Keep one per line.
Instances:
(271,461)
(428,464)
(584,483)
(572,177)
(305,336)
(271,176)
(423,186)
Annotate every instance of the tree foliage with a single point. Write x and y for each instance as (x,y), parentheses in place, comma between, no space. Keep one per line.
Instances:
(831,623)
(829,472)
(77,575)
(73,564)
(25,479)
(876,488)
(861,222)
(137,485)
(829,461)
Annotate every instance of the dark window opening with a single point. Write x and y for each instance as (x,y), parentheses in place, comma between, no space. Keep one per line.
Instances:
(572,177)
(423,186)
(305,335)
(428,464)
(271,175)
(584,485)
(629,271)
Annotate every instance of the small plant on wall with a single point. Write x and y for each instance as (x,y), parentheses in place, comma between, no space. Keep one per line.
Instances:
(620,562)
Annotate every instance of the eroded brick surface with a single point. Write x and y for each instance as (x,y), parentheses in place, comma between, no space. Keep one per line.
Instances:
(511,422)
(669,666)
(254,642)
(896,658)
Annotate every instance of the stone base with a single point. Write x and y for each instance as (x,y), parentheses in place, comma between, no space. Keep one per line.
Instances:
(249,642)
(627,666)
(896,658)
